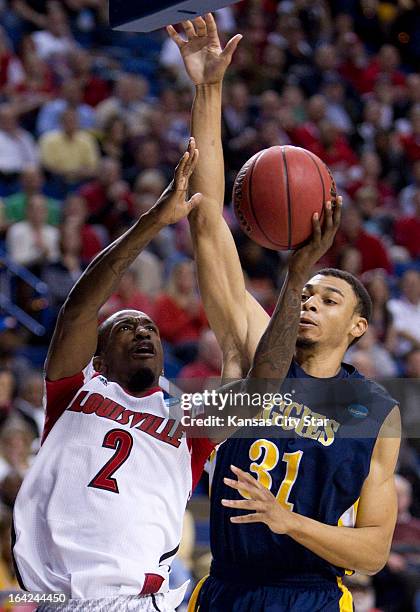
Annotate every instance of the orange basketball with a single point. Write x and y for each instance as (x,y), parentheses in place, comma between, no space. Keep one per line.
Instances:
(276,194)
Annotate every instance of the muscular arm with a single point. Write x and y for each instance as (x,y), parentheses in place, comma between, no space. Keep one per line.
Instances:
(75,336)
(364,548)
(230,309)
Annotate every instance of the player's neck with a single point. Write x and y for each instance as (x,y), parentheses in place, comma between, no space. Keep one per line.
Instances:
(318,362)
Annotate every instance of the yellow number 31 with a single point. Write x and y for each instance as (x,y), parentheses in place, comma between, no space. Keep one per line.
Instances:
(269,455)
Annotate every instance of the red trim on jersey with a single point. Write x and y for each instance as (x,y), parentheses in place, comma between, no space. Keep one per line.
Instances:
(152,584)
(59,395)
(201,449)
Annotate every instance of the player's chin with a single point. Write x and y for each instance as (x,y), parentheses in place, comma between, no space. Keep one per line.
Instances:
(305,340)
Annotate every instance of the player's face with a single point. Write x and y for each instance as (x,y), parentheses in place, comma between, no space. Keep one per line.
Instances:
(133,356)
(329,316)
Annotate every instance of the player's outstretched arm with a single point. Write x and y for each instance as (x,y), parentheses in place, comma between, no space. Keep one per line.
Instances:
(275,350)
(220,274)
(75,336)
(364,548)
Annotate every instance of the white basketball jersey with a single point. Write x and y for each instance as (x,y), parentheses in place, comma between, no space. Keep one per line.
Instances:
(100,511)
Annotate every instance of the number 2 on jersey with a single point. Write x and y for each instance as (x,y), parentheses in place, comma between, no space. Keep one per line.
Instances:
(122,442)
(269,461)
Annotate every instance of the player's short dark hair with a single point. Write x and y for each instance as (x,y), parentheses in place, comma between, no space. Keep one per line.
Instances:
(364,303)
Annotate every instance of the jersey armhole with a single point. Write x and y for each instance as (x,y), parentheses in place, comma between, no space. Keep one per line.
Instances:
(58,395)
(201,449)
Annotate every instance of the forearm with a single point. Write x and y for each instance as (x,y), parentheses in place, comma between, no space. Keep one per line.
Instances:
(277,345)
(102,276)
(363,549)
(208,177)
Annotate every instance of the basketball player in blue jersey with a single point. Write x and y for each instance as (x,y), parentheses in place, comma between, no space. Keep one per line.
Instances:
(297,505)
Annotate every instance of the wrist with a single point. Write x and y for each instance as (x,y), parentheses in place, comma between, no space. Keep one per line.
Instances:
(293,525)
(155,218)
(209,88)
(298,275)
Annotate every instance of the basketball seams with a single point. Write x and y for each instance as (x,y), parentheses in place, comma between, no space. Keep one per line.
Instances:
(289,204)
(251,205)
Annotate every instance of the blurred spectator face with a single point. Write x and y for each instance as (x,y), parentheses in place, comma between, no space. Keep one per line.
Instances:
(270,103)
(143,203)
(70,121)
(350,260)
(109,171)
(410,286)
(116,130)
(209,351)
(33,389)
(388,58)
(316,108)
(239,96)
(371,164)
(368,340)
(292,95)
(274,57)
(37,211)
(363,363)
(404,494)
(9,488)
(148,154)
(415,119)
(334,91)
(57,22)
(8,119)
(413,88)
(183,277)
(130,88)
(328,133)
(81,62)
(15,444)
(7,387)
(70,239)
(412,364)
(169,100)
(75,208)
(72,92)
(367,200)
(151,182)
(32,180)
(326,58)
(377,288)
(372,112)
(343,23)
(351,222)
(128,284)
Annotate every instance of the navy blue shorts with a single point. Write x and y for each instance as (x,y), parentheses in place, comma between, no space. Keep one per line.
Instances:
(214,595)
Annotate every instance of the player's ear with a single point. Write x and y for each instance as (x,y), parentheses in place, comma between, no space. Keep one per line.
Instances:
(98,363)
(359,327)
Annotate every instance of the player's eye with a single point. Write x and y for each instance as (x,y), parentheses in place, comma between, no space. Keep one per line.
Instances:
(151,328)
(304,297)
(329,301)
(124,327)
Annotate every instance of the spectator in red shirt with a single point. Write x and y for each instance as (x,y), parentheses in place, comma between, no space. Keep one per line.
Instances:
(75,212)
(193,377)
(307,135)
(371,168)
(94,88)
(334,149)
(411,141)
(108,197)
(372,249)
(127,297)
(179,313)
(407,229)
(386,63)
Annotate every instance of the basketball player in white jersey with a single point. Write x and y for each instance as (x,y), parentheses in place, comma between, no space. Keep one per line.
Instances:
(99,515)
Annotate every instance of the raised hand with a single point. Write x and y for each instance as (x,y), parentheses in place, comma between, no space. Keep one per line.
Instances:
(322,239)
(172,205)
(204,58)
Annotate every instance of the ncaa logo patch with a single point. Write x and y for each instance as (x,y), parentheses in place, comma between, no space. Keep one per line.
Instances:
(358,411)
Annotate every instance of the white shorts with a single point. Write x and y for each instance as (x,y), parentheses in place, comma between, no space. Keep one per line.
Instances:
(123,603)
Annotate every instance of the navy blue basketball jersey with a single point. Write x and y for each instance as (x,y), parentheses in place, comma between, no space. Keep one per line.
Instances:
(314,458)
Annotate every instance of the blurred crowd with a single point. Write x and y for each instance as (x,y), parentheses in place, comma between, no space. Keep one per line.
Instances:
(92,123)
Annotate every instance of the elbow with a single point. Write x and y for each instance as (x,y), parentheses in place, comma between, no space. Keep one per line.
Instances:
(374,565)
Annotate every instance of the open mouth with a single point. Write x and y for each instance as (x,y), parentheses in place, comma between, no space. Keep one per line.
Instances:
(306,323)
(143,349)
